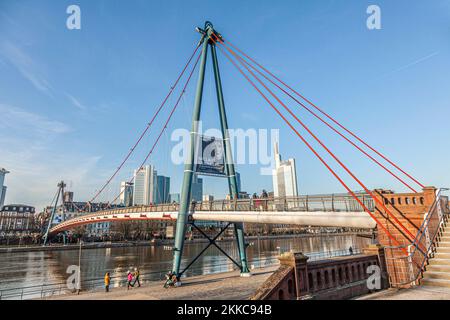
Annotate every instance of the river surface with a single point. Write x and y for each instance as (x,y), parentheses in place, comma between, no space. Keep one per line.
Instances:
(27,269)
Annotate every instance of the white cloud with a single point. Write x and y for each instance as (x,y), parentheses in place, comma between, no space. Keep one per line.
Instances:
(76,102)
(26,66)
(32,148)
(19,119)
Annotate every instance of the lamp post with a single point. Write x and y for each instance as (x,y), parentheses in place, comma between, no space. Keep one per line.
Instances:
(79,268)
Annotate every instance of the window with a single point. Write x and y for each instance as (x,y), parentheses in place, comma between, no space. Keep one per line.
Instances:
(311,281)
(399,200)
(421,200)
(414,200)
(406,200)
(392,201)
(280,295)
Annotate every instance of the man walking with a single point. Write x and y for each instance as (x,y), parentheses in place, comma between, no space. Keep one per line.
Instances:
(107,281)
(136,277)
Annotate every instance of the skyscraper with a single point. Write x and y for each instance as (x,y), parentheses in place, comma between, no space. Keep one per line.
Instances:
(3,173)
(126,193)
(162,191)
(284,176)
(238,180)
(197,188)
(144,185)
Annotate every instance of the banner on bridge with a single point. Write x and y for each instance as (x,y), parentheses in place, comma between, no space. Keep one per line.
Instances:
(210,158)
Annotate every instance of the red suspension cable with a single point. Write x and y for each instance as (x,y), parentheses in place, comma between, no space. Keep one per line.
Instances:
(312,149)
(166,123)
(172,88)
(327,124)
(328,116)
(327,149)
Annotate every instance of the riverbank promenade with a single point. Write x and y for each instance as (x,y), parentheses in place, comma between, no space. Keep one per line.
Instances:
(222,286)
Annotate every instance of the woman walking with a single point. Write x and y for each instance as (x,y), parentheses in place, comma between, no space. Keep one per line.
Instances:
(129,279)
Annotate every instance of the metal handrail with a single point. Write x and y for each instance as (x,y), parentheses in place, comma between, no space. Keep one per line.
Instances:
(417,240)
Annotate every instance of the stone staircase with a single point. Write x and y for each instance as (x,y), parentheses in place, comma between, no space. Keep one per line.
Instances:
(438,270)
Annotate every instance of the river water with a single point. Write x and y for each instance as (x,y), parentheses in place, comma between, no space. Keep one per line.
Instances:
(27,269)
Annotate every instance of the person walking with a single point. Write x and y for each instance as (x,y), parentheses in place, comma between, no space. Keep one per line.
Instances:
(129,279)
(136,277)
(107,281)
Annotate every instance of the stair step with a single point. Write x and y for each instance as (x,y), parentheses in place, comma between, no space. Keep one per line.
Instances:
(442,255)
(440,262)
(443,249)
(436,275)
(445,238)
(438,268)
(436,282)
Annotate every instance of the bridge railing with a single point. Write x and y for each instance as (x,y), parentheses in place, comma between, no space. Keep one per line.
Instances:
(332,202)
(407,269)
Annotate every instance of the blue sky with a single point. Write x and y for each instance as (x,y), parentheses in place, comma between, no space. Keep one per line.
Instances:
(73,101)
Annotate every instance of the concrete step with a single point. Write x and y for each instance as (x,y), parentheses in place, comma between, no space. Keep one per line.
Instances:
(438,268)
(445,244)
(442,255)
(440,262)
(445,239)
(435,282)
(443,249)
(436,275)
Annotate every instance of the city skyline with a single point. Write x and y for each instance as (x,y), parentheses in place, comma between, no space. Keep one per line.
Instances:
(352,77)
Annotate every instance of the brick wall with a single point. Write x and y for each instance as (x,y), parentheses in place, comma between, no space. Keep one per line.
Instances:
(410,210)
(334,278)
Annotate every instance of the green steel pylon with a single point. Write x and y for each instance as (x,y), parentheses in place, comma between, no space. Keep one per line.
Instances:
(185,195)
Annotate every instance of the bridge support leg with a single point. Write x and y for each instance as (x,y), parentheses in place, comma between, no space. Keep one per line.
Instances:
(185,196)
(229,163)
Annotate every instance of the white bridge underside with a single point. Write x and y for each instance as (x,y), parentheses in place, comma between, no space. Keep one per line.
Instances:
(311,218)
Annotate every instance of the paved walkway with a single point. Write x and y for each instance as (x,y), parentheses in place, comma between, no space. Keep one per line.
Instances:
(222,286)
(417,293)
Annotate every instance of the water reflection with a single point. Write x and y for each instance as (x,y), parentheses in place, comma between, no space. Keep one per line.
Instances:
(37,268)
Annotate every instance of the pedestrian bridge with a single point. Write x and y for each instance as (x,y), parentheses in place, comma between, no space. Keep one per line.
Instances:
(336,210)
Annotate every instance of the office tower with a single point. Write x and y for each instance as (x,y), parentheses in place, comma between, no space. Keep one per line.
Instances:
(284,176)
(238,180)
(144,185)
(197,188)
(162,191)
(126,193)
(3,173)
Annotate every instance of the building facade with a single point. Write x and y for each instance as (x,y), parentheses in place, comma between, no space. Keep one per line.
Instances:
(17,219)
(162,191)
(284,176)
(197,189)
(145,180)
(126,193)
(3,173)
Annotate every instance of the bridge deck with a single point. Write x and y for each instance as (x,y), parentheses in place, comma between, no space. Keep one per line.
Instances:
(320,210)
